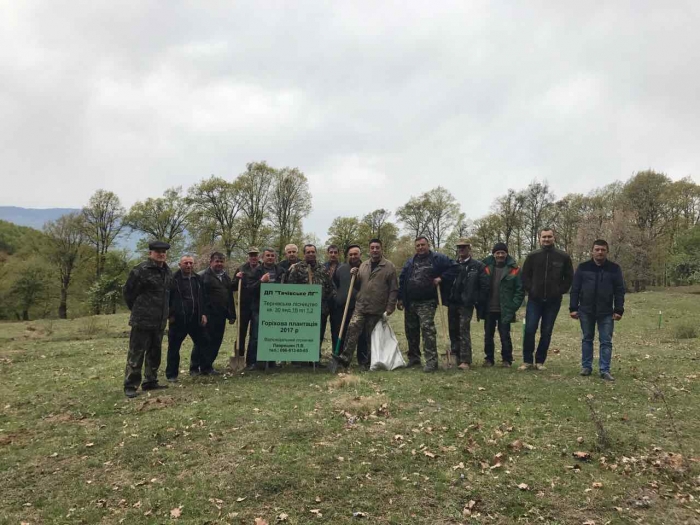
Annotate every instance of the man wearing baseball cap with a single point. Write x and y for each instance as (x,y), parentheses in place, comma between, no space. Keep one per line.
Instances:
(505,297)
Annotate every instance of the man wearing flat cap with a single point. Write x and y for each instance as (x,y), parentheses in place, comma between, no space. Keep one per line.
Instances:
(147,292)
(469,292)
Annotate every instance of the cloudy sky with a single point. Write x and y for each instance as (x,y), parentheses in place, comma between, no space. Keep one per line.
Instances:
(373,101)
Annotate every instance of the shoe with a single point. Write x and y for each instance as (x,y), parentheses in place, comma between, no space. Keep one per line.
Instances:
(540,366)
(414,362)
(194,373)
(506,364)
(487,363)
(252,368)
(153,386)
(130,393)
(605,376)
(429,368)
(525,366)
(212,372)
(172,379)
(585,372)
(464,366)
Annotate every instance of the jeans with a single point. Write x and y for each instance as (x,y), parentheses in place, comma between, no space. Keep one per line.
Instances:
(605,333)
(493,319)
(547,312)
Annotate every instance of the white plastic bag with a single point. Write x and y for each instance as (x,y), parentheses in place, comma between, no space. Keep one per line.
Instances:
(385,348)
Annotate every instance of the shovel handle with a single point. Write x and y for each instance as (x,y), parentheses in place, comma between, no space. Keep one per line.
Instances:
(444,328)
(347,306)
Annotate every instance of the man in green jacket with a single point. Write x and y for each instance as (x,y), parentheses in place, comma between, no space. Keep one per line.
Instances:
(505,298)
(147,294)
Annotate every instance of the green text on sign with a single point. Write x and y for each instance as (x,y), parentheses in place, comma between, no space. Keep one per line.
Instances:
(290,322)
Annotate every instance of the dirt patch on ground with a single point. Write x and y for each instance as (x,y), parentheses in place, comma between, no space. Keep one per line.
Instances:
(343,381)
(362,406)
(18,437)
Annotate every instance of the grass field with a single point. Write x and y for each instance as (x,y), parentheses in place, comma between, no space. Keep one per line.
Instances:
(296,446)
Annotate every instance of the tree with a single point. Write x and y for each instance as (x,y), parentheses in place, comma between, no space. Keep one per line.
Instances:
(487,232)
(414,215)
(30,286)
(343,232)
(290,203)
(255,188)
(510,209)
(443,212)
(65,236)
(164,218)
(216,204)
(102,218)
(375,221)
(567,215)
(537,203)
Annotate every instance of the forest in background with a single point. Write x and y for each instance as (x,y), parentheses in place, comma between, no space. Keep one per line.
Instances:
(74,266)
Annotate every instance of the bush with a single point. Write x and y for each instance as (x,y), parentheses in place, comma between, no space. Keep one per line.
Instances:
(685,331)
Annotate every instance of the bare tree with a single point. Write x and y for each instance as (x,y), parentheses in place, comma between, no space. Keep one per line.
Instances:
(255,187)
(414,215)
(290,203)
(537,204)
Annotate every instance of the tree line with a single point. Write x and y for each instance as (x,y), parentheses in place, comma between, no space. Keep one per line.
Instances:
(651,222)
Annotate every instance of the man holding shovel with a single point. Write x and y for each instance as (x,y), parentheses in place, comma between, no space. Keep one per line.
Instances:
(346,293)
(249,272)
(377,297)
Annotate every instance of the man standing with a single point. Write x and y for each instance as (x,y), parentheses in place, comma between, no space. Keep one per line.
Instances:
(290,252)
(468,291)
(146,294)
(248,272)
(597,298)
(267,272)
(547,275)
(341,282)
(377,297)
(331,266)
(187,317)
(309,271)
(219,306)
(505,297)
(417,294)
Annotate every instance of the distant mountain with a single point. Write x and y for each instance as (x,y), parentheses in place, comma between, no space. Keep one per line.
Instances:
(32,217)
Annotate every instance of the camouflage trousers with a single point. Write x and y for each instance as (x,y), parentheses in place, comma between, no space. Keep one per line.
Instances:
(419,318)
(459,320)
(144,346)
(359,324)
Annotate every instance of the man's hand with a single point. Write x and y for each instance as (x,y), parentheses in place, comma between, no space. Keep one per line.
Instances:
(203,322)
(399,305)
(265,278)
(573,315)
(437,281)
(231,321)
(617,317)
(239,275)
(354,270)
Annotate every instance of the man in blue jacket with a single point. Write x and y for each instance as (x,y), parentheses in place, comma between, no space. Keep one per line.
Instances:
(418,282)
(597,298)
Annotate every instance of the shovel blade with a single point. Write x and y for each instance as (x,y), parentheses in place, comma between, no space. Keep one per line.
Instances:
(236,363)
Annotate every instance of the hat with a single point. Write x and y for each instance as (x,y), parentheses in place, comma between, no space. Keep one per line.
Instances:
(253,249)
(500,246)
(158,245)
(463,242)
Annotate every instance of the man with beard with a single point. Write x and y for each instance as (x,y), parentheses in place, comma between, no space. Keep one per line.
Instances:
(187,317)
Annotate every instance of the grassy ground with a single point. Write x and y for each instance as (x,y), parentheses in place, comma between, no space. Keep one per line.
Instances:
(491,445)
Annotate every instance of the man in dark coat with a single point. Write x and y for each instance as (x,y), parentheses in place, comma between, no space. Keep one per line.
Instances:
(146,294)
(547,275)
(218,294)
(248,272)
(597,298)
(505,297)
(418,282)
(187,317)
(341,281)
(468,291)
(331,265)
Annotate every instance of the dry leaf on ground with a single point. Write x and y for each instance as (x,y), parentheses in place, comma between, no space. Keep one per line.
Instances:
(523,486)
(176,512)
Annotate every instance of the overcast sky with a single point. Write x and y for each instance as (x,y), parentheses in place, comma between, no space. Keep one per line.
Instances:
(373,101)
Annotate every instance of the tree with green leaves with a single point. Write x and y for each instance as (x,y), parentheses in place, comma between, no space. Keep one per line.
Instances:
(103,221)
(65,240)
(164,218)
(290,203)
(343,232)
(255,189)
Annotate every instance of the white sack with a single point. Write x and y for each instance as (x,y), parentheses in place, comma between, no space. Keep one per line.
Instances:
(385,348)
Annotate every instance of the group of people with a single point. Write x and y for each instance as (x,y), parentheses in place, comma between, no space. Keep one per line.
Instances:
(364,293)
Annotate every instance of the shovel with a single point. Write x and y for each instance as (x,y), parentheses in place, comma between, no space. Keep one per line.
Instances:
(237,362)
(339,342)
(444,327)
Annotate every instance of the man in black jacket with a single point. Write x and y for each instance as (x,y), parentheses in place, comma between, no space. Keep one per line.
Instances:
(341,280)
(267,272)
(547,274)
(187,317)
(597,298)
(331,265)
(469,290)
(249,273)
(218,294)
(146,295)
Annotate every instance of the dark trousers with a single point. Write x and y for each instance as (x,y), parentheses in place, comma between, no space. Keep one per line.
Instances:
(357,336)
(540,314)
(492,320)
(144,346)
(177,332)
(459,320)
(244,317)
(216,326)
(252,356)
(335,316)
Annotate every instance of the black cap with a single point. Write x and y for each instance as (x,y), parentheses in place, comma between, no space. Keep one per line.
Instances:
(158,245)
(500,246)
